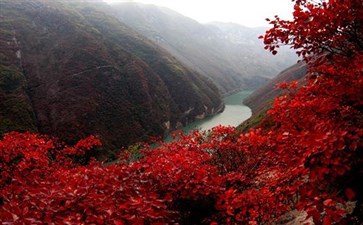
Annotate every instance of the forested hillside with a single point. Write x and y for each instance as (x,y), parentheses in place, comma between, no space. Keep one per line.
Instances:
(69,70)
(306,157)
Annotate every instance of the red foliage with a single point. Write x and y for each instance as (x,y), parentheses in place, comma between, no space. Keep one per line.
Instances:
(306,159)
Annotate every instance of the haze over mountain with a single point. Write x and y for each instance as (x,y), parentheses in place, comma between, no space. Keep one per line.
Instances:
(69,70)
(247,13)
(229,54)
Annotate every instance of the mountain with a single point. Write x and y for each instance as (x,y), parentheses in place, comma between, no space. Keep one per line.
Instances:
(260,101)
(229,54)
(69,70)
(262,97)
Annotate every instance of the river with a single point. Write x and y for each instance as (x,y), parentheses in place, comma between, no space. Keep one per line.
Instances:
(234,114)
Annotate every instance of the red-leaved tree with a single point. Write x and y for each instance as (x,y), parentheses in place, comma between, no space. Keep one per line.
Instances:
(308,158)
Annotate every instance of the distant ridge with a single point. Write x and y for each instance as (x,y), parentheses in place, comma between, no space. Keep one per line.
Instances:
(229,54)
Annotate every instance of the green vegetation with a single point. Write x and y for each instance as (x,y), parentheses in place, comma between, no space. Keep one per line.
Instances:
(10,78)
(252,122)
(16,112)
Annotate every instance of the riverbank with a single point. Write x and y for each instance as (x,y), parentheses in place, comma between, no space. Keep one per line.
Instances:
(234,114)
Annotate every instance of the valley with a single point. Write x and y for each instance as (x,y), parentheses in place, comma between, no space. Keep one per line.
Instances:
(124,72)
(234,113)
(88,91)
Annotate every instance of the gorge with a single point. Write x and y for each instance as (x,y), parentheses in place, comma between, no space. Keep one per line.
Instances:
(74,68)
(80,89)
(235,112)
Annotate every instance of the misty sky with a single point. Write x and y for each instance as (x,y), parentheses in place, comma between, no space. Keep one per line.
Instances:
(250,13)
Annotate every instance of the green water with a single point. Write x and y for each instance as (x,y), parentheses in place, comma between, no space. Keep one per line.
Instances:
(234,114)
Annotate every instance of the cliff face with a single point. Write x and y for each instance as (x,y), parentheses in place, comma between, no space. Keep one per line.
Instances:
(229,54)
(69,70)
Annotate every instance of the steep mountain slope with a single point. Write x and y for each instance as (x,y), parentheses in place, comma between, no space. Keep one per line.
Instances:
(245,48)
(215,50)
(261,98)
(69,70)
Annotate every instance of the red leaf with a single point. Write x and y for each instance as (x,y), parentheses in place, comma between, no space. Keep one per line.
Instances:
(328,202)
(119,222)
(313,212)
(327,220)
(353,146)
(350,194)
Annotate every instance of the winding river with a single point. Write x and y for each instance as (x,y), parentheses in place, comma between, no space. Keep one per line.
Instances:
(234,114)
